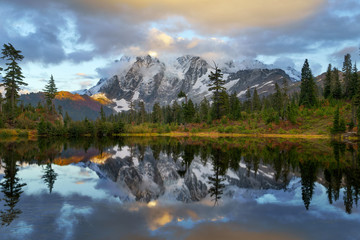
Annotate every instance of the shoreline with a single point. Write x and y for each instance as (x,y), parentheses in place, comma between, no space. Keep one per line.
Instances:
(32,135)
(232,135)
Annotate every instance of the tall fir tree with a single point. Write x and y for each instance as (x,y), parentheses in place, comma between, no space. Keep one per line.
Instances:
(327,83)
(189,111)
(337,92)
(13,78)
(234,107)
(347,69)
(248,103)
(157,113)
(308,96)
(256,102)
(50,91)
(102,114)
(1,102)
(355,80)
(216,86)
(204,110)
(278,100)
(336,122)
(142,112)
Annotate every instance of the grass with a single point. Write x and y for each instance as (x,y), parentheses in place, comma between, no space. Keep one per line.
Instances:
(16,133)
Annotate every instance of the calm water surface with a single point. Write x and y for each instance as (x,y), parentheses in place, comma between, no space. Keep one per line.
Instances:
(162,188)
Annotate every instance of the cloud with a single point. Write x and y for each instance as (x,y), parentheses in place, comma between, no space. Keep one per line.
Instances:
(210,16)
(85,84)
(51,32)
(337,57)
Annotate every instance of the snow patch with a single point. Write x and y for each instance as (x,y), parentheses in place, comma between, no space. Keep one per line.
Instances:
(121,105)
(121,152)
(135,96)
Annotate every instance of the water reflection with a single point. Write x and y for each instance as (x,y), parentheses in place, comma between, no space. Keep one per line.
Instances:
(142,172)
(11,186)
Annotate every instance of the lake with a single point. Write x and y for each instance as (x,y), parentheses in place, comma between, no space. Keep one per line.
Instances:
(179,188)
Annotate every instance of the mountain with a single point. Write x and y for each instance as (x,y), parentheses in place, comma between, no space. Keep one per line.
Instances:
(153,177)
(150,80)
(77,106)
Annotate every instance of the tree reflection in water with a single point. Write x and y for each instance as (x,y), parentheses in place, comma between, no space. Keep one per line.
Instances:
(10,186)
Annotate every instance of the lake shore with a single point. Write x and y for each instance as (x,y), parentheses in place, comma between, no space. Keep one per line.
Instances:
(7,134)
(233,135)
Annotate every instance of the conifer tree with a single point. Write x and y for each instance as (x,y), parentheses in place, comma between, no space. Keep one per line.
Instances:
(142,112)
(327,83)
(50,91)
(308,87)
(355,80)
(189,111)
(216,86)
(347,69)
(13,78)
(337,85)
(256,103)
(234,107)
(204,109)
(278,100)
(157,113)
(224,103)
(336,122)
(248,104)
(102,114)
(1,102)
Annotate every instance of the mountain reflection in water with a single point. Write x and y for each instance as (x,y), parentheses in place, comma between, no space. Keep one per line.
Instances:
(168,188)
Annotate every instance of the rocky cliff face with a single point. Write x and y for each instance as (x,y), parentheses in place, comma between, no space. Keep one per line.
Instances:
(150,80)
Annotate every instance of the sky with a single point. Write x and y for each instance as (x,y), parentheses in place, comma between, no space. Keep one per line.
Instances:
(77,40)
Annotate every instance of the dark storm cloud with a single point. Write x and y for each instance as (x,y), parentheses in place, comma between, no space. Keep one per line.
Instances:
(43,29)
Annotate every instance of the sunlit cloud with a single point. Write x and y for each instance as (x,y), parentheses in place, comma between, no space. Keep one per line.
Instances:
(218,16)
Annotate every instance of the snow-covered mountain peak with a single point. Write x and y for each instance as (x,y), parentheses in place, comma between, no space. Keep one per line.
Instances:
(147,79)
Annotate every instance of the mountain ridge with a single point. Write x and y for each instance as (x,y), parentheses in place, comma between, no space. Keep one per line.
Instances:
(150,80)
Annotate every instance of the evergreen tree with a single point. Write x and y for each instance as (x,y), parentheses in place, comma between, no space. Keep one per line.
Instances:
(13,78)
(224,103)
(1,102)
(308,87)
(49,177)
(256,103)
(142,112)
(354,81)
(347,69)
(336,123)
(189,111)
(177,112)
(337,85)
(157,113)
(278,100)
(234,107)
(50,91)
(67,120)
(216,86)
(327,83)
(204,110)
(248,104)
(11,187)
(102,114)
(308,170)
